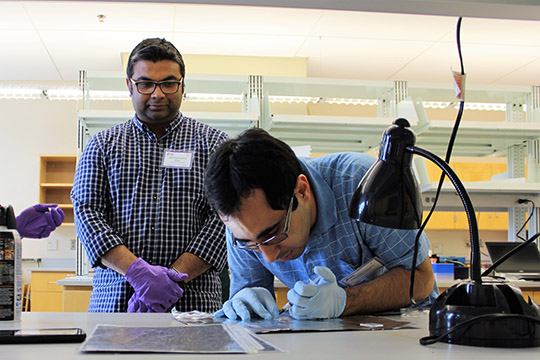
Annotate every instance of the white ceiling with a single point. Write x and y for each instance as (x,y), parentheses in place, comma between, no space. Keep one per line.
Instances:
(51,41)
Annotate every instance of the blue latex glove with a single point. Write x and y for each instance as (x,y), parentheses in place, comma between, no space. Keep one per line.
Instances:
(155,286)
(39,221)
(323,300)
(256,300)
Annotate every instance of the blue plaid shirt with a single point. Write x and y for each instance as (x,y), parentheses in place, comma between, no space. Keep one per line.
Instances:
(335,241)
(123,195)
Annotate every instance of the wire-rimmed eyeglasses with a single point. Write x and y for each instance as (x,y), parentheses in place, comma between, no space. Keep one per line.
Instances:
(274,240)
(147,87)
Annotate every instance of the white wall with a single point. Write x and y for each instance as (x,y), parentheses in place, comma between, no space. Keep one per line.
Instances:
(29,128)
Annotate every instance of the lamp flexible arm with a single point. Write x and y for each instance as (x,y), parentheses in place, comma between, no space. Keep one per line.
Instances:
(467,204)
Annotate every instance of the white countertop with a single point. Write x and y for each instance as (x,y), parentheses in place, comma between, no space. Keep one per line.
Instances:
(50,269)
(389,344)
(519,283)
(76,281)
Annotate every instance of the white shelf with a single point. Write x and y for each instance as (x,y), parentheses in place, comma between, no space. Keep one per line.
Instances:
(340,133)
(493,196)
(230,122)
(476,138)
(329,133)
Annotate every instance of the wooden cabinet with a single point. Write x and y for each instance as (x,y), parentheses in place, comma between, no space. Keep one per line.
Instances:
(76,298)
(281,295)
(533,294)
(457,220)
(453,220)
(55,182)
(45,294)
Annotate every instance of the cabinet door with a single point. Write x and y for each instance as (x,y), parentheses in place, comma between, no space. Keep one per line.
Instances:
(76,298)
(45,295)
(281,296)
(46,280)
(45,301)
(441,220)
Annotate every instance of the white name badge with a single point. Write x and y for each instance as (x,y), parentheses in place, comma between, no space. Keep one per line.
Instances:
(177,159)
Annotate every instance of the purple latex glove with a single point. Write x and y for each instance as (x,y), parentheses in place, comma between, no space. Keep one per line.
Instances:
(39,221)
(155,286)
(136,305)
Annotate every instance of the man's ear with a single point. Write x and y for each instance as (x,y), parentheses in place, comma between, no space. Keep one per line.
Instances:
(303,188)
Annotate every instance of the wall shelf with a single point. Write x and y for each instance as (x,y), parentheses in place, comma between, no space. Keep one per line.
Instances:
(55,182)
(355,133)
(488,196)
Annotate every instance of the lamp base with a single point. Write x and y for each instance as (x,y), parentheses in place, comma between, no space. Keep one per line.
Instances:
(496,313)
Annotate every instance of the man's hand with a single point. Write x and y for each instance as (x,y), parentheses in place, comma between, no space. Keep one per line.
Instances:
(317,301)
(247,302)
(39,221)
(156,287)
(136,305)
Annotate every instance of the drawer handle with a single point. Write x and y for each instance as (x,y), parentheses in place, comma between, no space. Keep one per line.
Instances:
(52,282)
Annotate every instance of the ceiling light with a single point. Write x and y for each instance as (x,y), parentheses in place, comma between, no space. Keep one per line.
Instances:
(215,98)
(73,93)
(347,101)
(21,93)
(63,94)
(109,95)
(294,99)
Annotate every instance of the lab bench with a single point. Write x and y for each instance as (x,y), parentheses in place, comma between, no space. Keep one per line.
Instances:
(385,344)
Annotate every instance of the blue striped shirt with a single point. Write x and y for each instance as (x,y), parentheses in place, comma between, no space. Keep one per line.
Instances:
(122,194)
(335,241)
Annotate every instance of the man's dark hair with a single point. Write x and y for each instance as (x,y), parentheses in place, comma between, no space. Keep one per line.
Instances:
(253,160)
(155,50)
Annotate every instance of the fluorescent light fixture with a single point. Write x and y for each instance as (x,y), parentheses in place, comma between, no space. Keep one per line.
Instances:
(73,93)
(214,98)
(346,101)
(109,95)
(485,106)
(63,94)
(468,106)
(21,93)
(294,99)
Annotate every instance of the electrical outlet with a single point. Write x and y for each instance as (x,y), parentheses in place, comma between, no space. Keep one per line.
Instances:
(72,247)
(52,244)
(437,249)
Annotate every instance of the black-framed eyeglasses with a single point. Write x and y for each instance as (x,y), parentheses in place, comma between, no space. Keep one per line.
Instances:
(147,87)
(274,240)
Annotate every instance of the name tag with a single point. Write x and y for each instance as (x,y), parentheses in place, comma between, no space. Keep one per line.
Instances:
(177,159)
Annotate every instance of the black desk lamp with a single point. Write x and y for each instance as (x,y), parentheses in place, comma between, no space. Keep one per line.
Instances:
(478,311)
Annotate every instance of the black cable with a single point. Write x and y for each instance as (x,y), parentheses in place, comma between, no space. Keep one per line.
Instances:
(428,340)
(447,159)
(522,201)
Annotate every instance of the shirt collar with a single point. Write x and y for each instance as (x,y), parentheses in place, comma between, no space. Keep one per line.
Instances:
(326,201)
(170,128)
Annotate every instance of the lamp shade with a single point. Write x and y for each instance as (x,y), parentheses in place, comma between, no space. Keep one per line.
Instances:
(388,195)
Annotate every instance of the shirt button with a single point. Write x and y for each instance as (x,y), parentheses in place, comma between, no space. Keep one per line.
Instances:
(155,197)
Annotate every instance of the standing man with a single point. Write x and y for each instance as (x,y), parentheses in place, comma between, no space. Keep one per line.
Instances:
(140,208)
(288,217)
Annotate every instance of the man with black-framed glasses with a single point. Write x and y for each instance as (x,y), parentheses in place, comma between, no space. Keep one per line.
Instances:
(138,196)
(287,217)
